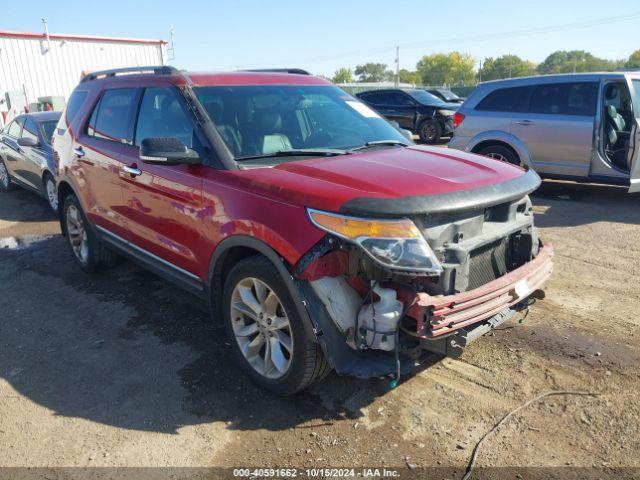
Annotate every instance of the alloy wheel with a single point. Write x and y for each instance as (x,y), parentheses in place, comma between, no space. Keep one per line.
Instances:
(428,131)
(4,176)
(261,327)
(497,156)
(77,233)
(51,193)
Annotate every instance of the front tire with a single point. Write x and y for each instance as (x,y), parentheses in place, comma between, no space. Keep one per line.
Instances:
(6,185)
(430,131)
(268,338)
(502,153)
(88,251)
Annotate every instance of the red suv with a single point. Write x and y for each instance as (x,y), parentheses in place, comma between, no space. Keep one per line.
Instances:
(321,237)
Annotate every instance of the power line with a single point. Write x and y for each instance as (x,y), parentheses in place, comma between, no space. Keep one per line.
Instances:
(467,39)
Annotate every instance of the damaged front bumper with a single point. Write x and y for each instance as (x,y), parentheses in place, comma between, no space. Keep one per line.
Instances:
(443,324)
(441,315)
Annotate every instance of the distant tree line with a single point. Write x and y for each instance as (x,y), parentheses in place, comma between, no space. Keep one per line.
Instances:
(456,68)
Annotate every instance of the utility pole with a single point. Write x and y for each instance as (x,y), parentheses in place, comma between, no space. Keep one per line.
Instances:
(46,33)
(171,50)
(397,65)
(480,72)
(509,65)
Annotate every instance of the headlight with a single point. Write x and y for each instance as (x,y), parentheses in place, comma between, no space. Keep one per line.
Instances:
(446,113)
(396,244)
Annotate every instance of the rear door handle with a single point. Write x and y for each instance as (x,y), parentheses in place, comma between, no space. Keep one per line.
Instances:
(133,171)
(79,151)
(524,122)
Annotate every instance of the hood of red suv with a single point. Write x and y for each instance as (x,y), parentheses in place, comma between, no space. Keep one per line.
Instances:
(395,181)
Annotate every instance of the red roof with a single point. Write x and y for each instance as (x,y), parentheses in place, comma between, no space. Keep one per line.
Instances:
(85,38)
(254,78)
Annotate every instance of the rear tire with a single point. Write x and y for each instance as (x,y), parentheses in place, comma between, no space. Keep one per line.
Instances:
(6,185)
(268,338)
(430,131)
(502,153)
(50,191)
(88,251)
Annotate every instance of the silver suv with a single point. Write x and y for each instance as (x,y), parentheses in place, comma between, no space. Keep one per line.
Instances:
(572,126)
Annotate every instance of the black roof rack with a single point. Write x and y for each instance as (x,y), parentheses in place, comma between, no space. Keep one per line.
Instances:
(295,71)
(156,70)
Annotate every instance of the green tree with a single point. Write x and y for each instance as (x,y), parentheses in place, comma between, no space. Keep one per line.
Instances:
(343,75)
(452,68)
(634,60)
(407,76)
(563,61)
(372,72)
(506,66)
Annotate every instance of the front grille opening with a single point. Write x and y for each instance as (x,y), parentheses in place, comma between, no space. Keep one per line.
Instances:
(488,262)
(497,213)
(493,260)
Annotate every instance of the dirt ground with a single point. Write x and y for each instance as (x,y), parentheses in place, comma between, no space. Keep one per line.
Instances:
(122,369)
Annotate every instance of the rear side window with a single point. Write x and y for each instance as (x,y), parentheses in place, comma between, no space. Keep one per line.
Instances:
(14,128)
(30,129)
(514,99)
(47,131)
(76,100)
(112,117)
(564,99)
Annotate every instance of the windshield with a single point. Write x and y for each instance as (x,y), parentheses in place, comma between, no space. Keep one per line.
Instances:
(47,130)
(265,119)
(425,97)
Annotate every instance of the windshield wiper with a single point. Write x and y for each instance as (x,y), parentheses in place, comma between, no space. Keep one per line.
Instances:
(380,143)
(300,152)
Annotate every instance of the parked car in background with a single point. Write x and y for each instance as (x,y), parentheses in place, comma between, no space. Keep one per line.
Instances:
(445,95)
(573,126)
(415,110)
(319,235)
(26,155)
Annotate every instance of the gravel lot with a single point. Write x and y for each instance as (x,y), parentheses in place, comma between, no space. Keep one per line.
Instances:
(122,369)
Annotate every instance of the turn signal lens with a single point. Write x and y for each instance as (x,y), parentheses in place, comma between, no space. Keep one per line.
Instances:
(353,228)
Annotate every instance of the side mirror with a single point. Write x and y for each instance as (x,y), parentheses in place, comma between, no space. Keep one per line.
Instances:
(167,151)
(27,142)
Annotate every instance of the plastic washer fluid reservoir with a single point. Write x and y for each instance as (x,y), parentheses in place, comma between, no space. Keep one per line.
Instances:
(378,321)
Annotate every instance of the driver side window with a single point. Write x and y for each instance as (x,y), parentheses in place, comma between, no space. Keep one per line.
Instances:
(162,115)
(401,100)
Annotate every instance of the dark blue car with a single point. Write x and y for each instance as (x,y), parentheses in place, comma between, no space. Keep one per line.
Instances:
(26,156)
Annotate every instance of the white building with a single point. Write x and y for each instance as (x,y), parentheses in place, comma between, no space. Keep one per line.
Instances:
(34,65)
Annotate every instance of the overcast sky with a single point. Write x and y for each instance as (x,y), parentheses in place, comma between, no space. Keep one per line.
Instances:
(322,36)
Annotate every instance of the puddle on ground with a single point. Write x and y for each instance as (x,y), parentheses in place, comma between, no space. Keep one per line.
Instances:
(21,242)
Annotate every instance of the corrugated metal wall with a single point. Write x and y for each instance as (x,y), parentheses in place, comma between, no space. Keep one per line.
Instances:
(54,67)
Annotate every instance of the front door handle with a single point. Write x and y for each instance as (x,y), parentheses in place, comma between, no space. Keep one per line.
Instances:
(524,122)
(133,171)
(79,151)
